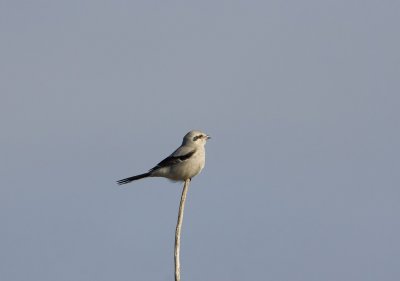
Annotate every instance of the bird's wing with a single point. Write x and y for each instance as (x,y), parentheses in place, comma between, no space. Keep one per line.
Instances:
(180,155)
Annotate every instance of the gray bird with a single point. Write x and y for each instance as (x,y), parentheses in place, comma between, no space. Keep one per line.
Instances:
(184,163)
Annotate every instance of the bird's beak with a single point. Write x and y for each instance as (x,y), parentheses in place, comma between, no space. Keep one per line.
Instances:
(208,137)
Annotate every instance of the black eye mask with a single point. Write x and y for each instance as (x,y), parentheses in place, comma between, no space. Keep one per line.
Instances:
(197,137)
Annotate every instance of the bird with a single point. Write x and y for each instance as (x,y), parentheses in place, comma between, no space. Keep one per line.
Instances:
(183,164)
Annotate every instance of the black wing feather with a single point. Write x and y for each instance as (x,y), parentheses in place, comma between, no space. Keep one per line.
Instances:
(173,160)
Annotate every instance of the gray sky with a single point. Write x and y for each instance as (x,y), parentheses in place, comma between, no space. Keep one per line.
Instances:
(302,175)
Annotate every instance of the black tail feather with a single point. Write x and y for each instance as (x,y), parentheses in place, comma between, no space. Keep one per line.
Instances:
(128,180)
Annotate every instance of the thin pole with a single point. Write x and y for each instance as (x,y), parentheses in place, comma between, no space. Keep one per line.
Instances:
(178,231)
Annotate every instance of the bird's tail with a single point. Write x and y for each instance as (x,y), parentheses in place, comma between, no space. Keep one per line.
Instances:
(138,177)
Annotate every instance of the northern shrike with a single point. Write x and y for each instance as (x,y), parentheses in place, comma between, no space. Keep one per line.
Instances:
(184,163)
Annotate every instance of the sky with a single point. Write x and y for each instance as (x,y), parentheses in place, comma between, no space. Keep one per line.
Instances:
(301,99)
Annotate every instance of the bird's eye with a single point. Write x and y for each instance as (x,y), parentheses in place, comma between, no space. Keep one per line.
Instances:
(195,138)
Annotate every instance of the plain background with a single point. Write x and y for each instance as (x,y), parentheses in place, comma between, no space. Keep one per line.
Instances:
(302,176)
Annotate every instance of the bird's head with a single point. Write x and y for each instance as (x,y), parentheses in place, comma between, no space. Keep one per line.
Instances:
(195,138)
